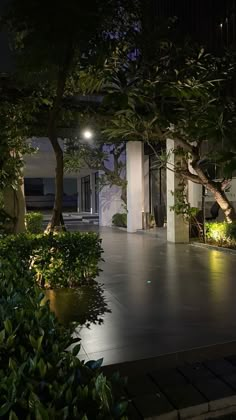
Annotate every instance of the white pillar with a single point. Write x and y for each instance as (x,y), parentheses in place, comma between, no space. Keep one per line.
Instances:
(93,192)
(194,194)
(135,185)
(146,184)
(177,226)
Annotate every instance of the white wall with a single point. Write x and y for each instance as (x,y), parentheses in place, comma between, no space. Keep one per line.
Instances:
(109,204)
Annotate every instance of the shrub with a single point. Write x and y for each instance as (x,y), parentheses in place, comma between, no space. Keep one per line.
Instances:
(56,260)
(119,219)
(34,222)
(6,222)
(39,378)
(223,234)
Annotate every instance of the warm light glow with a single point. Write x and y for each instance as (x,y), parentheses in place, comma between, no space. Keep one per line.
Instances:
(221,25)
(87,134)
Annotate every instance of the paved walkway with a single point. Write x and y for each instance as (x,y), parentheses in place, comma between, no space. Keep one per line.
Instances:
(164,298)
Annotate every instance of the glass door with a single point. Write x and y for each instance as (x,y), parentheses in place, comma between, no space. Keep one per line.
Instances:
(85,194)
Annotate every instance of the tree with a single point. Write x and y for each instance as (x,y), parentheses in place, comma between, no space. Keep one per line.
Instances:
(107,158)
(14,120)
(185,96)
(54,41)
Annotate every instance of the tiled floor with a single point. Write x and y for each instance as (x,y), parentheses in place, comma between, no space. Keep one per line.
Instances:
(163,298)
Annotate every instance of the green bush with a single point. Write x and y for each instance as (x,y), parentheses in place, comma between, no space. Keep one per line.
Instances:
(34,222)
(39,378)
(6,222)
(119,219)
(223,234)
(57,260)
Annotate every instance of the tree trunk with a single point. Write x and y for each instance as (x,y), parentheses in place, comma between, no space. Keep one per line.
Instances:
(57,218)
(55,221)
(224,203)
(14,206)
(216,188)
(124,194)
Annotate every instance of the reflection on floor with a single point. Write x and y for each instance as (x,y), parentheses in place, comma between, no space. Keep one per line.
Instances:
(163,298)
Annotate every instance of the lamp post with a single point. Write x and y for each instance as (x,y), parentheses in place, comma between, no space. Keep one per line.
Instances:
(88,136)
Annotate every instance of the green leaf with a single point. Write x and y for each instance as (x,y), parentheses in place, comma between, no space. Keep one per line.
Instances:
(33,342)
(33,400)
(39,342)
(8,326)
(13,416)
(42,368)
(12,364)
(5,408)
(10,340)
(2,336)
(76,349)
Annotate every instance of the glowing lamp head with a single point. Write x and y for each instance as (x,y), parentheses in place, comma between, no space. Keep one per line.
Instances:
(87,134)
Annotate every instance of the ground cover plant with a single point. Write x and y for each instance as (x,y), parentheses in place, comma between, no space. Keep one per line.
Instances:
(39,377)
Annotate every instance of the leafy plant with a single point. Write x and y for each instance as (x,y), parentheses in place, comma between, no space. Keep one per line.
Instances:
(56,260)
(39,377)
(6,222)
(51,60)
(34,222)
(223,234)
(182,205)
(119,219)
(182,94)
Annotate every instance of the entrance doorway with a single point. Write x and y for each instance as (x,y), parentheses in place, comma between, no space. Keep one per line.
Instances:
(85,194)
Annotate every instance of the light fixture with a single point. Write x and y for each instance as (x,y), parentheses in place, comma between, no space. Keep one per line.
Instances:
(87,134)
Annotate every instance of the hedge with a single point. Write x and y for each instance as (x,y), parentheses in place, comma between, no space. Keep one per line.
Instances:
(57,260)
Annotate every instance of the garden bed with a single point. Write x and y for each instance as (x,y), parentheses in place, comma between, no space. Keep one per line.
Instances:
(213,247)
(220,236)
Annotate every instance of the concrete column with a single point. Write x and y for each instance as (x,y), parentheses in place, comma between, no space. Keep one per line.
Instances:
(79,195)
(146,184)
(135,185)
(194,194)
(93,192)
(177,226)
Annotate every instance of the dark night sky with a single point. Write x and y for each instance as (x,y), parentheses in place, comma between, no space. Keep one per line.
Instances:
(6,62)
(199,18)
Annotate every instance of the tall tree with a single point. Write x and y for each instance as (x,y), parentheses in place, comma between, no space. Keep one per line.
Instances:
(54,41)
(14,120)
(109,159)
(185,96)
